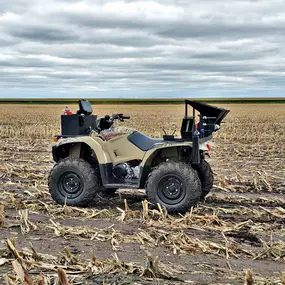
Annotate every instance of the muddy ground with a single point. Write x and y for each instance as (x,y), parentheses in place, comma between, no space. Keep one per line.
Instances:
(240,226)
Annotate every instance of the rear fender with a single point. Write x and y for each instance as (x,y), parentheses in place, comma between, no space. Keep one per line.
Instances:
(159,154)
(174,152)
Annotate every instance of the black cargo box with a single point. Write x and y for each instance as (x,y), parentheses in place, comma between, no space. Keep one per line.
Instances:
(72,125)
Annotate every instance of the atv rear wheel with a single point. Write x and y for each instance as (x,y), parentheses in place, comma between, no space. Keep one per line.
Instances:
(206,176)
(73,181)
(175,186)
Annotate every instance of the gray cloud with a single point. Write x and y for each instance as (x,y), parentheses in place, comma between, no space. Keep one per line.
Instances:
(169,46)
(40,34)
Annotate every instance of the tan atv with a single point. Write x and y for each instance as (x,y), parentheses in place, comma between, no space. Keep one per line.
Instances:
(91,155)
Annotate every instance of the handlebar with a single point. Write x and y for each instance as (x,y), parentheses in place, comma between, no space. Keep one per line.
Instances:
(120,117)
(107,121)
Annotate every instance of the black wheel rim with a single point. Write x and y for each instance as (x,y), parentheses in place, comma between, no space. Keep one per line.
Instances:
(70,185)
(171,190)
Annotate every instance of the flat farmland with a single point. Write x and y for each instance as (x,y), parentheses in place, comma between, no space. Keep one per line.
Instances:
(237,234)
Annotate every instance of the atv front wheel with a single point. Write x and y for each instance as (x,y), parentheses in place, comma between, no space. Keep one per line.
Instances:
(73,181)
(176,186)
(206,176)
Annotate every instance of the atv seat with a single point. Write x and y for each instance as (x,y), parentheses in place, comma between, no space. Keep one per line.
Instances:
(142,141)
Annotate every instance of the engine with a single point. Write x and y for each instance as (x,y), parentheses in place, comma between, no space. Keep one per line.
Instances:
(128,170)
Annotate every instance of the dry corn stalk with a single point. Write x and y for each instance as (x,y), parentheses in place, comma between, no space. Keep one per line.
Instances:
(3,261)
(2,215)
(26,224)
(13,250)
(62,277)
(283,278)
(155,269)
(145,210)
(36,256)
(22,274)
(10,279)
(248,279)
(151,268)
(127,213)
(41,280)
(94,260)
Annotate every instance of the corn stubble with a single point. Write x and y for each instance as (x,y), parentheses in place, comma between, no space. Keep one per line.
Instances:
(243,219)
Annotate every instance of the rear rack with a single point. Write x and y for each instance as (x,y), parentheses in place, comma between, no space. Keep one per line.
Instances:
(210,119)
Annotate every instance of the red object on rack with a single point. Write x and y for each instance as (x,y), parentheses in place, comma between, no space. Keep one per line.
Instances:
(67,111)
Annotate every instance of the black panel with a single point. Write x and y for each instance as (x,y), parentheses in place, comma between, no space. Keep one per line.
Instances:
(106,171)
(142,141)
(77,124)
(84,107)
(144,172)
(187,128)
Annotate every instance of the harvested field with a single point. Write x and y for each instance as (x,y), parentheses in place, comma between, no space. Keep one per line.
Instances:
(237,234)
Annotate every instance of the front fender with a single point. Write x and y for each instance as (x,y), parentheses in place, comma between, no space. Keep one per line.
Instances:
(70,143)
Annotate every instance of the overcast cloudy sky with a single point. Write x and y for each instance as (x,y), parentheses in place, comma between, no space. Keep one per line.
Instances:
(161,48)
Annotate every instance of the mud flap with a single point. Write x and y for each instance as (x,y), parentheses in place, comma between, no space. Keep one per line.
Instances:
(195,149)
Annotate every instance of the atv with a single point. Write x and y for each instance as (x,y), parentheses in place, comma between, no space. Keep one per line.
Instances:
(92,155)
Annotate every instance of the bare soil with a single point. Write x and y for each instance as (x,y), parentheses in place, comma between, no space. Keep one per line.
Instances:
(244,223)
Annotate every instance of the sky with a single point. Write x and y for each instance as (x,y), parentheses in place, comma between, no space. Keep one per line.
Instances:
(142,49)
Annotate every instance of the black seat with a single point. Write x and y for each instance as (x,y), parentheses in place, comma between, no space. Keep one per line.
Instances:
(142,141)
